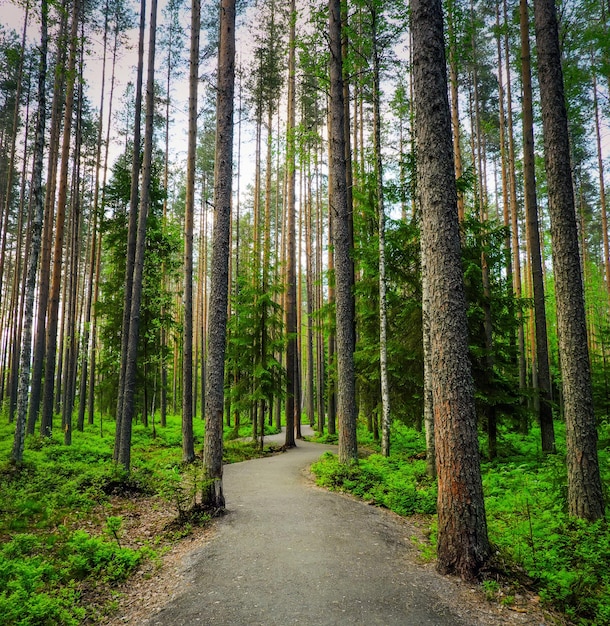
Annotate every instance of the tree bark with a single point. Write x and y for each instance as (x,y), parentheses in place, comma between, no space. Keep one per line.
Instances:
(46,420)
(545,415)
(585,494)
(188,444)
(383,314)
(463,547)
(344,293)
(213,495)
(132,229)
(133,332)
(291,279)
(36,227)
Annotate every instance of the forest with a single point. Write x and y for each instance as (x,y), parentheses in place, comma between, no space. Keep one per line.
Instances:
(385,220)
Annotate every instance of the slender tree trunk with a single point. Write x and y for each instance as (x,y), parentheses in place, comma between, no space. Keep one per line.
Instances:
(128,407)
(291,279)
(188,444)
(383,316)
(463,547)
(545,414)
(36,228)
(602,188)
(46,421)
(11,164)
(455,107)
(514,217)
(212,452)
(131,232)
(44,280)
(585,494)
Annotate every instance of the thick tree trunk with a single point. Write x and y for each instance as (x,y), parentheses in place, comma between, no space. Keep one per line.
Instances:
(344,295)
(463,547)
(212,451)
(585,494)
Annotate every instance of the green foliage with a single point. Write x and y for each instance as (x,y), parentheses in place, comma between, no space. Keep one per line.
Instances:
(256,374)
(567,560)
(526,503)
(161,267)
(398,483)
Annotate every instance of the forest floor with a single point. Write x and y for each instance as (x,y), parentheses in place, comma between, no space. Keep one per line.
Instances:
(288,552)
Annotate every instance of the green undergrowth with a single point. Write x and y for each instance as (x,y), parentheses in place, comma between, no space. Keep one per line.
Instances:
(398,483)
(567,561)
(63,542)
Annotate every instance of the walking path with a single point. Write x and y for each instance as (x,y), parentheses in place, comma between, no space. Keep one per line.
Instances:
(288,552)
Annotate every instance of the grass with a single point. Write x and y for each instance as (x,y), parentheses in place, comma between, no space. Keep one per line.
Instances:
(565,559)
(64,546)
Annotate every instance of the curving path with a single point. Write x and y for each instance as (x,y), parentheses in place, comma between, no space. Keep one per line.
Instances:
(290,553)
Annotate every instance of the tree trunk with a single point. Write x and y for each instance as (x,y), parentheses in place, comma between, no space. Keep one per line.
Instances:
(131,357)
(585,494)
(545,414)
(131,232)
(344,295)
(36,228)
(514,221)
(463,547)
(291,279)
(212,452)
(383,315)
(46,421)
(44,280)
(188,444)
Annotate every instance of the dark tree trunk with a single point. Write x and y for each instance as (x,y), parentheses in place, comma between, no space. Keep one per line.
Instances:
(533,237)
(188,444)
(44,279)
(131,232)
(128,406)
(46,421)
(291,280)
(585,494)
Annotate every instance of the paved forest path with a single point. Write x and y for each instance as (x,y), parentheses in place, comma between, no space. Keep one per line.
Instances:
(288,552)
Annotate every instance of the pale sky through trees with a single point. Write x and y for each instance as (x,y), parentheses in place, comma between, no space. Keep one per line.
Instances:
(247,26)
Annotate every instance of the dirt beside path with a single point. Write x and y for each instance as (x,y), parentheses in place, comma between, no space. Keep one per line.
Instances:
(288,552)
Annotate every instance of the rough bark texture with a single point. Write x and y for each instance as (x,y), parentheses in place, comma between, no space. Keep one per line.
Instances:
(188,443)
(533,240)
(219,286)
(463,546)
(585,496)
(344,294)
